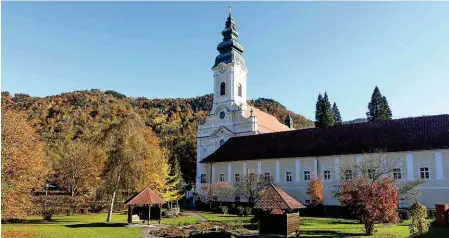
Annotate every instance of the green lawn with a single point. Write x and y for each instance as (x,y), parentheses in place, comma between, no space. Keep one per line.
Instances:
(93,225)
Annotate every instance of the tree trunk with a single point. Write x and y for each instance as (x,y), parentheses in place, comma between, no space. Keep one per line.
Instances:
(111,206)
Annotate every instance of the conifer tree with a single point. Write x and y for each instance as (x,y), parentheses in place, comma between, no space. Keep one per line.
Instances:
(336,113)
(327,117)
(318,111)
(378,109)
(388,113)
(173,191)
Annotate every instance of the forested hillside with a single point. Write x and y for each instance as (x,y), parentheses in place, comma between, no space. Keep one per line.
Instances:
(76,114)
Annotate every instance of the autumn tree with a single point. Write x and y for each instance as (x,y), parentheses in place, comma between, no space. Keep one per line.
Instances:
(24,165)
(371,188)
(315,190)
(77,167)
(173,191)
(371,202)
(134,159)
(251,185)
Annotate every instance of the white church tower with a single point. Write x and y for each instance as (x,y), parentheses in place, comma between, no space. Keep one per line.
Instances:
(230,115)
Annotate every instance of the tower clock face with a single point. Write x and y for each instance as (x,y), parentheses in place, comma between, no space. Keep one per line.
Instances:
(222,69)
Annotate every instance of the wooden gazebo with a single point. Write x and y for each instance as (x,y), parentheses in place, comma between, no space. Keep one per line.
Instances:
(276,217)
(146,204)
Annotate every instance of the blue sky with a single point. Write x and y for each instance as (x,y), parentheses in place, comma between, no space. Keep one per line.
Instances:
(293,50)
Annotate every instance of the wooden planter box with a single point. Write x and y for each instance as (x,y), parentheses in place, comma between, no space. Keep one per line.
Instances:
(279,224)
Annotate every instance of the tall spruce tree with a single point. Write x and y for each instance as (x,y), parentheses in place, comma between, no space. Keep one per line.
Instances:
(378,109)
(336,113)
(388,113)
(327,117)
(318,111)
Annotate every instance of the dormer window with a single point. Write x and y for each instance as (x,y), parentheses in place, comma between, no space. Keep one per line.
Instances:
(222,88)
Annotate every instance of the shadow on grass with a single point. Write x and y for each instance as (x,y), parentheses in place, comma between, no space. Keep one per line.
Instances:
(437,231)
(97,224)
(44,222)
(328,234)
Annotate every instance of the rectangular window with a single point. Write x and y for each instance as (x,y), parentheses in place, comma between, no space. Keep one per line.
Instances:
(397,174)
(266,176)
(306,175)
(203,178)
(237,178)
(348,174)
(371,173)
(326,175)
(424,172)
(237,199)
(307,202)
(288,176)
(221,179)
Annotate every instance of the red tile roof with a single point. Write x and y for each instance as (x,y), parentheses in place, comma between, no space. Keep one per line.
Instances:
(408,134)
(266,122)
(145,197)
(275,198)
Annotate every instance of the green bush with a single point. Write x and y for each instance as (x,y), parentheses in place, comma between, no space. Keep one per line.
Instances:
(240,211)
(223,209)
(419,226)
(248,211)
(232,208)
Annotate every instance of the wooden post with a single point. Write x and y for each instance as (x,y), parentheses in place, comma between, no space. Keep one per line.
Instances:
(149,213)
(160,213)
(130,216)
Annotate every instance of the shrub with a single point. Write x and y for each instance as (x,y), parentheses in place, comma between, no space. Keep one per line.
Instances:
(69,212)
(240,211)
(232,208)
(248,211)
(420,225)
(223,209)
(404,214)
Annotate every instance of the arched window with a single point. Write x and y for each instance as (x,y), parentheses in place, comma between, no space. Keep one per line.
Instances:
(222,89)
(222,142)
(239,89)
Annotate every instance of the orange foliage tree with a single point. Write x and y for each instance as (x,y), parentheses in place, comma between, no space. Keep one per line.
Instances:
(371,202)
(23,165)
(315,190)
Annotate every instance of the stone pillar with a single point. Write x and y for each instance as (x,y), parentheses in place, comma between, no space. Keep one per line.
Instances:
(439,165)
(298,170)
(244,168)
(278,179)
(229,172)
(410,172)
(259,167)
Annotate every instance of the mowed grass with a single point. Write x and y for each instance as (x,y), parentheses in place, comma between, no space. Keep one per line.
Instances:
(334,227)
(91,225)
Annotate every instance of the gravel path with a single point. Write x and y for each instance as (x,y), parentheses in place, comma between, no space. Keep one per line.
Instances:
(193,214)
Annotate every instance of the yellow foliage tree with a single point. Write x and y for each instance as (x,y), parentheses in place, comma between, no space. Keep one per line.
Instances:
(24,166)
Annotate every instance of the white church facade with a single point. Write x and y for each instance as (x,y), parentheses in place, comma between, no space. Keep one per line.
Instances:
(237,139)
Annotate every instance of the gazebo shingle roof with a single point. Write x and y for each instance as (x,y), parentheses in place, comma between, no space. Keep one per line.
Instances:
(275,198)
(145,197)
(408,134)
